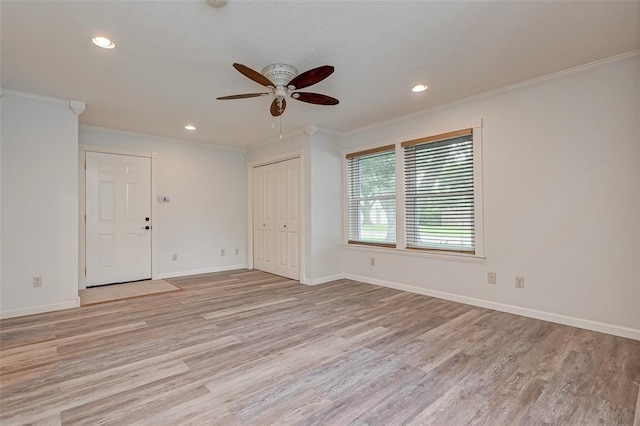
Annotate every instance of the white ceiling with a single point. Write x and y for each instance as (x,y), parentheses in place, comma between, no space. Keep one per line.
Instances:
(173,58)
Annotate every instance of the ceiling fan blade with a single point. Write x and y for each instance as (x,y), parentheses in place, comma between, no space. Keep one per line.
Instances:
(276,111)
(315,98)
(311,77)
(253,75)
(243,96)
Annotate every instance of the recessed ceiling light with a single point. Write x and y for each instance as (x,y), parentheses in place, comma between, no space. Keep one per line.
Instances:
(190,127)
(103,42)
(419,88)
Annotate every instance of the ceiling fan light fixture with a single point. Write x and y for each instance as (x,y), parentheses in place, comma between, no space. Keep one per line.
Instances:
(190,127)
(280,74)
(103,42)
(419,88)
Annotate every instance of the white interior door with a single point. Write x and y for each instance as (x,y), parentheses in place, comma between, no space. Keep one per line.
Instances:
(276,223)
(118,218)
(281,212)
(263,219)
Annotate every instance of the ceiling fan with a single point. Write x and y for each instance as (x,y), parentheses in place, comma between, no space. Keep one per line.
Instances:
(283,80)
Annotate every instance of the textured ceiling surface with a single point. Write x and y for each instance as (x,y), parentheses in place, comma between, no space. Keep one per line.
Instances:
(173,58)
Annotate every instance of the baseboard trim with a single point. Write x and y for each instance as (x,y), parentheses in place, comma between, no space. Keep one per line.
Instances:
(201,271)
(40,309)
(616,330)
(322,280)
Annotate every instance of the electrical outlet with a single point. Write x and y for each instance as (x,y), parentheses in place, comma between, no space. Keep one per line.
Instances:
(222,252)
(174,257)
(237,252)
(520,282)
(37,282)
(373,261)
(492,278)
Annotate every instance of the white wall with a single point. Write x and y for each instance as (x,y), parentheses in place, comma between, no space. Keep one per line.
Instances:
(326,207)
(0,202)
(207,211)
(561,199)
(39,180)
(638,182)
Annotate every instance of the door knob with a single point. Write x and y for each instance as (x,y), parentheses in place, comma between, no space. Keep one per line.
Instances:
(146,219)
(145,227)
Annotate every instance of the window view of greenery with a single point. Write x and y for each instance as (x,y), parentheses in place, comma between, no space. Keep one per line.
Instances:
(438,196)
(372,198)
(439,206)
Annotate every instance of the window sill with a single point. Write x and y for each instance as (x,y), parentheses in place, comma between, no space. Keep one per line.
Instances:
(461,257)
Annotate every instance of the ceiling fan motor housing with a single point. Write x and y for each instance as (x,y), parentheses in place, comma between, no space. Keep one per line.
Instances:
(280,74)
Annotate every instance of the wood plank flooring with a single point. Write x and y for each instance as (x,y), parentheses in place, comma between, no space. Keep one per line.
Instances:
(249,348)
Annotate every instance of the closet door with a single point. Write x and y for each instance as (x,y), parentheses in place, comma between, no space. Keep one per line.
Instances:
(263,212)
(281,247)
(276,223)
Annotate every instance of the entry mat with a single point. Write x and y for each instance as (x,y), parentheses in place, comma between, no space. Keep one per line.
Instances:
(109,293)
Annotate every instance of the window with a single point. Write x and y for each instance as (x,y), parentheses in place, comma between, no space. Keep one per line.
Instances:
(438,205)
(371,188)
(439,192)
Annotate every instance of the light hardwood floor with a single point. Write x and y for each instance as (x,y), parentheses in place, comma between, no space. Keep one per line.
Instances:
(246,347)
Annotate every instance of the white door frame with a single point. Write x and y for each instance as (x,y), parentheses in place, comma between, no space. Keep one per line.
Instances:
(82,260)
(303,206)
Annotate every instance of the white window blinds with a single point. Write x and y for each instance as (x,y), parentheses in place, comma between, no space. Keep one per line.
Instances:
(371,192)
(439,198)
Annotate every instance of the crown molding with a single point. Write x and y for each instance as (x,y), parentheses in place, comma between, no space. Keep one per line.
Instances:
(328,131)
(512,87)
(41,98)
(77,107)
(309,130)
(274,140)
(159,138)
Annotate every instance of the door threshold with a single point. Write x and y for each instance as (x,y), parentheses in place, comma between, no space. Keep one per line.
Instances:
(122,282)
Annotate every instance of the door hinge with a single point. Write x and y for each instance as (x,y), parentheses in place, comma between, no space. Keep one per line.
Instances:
(85,165)
(85,272)
(85,218)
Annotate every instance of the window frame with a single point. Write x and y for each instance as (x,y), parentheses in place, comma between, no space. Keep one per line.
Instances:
(412,147)
(400,247)
(381,149)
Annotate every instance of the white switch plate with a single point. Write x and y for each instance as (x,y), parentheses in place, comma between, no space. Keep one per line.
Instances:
(492,278)
(37,282)
(520,282)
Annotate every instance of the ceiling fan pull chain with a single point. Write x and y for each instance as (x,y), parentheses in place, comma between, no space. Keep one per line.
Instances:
(273,122)
(281,127)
